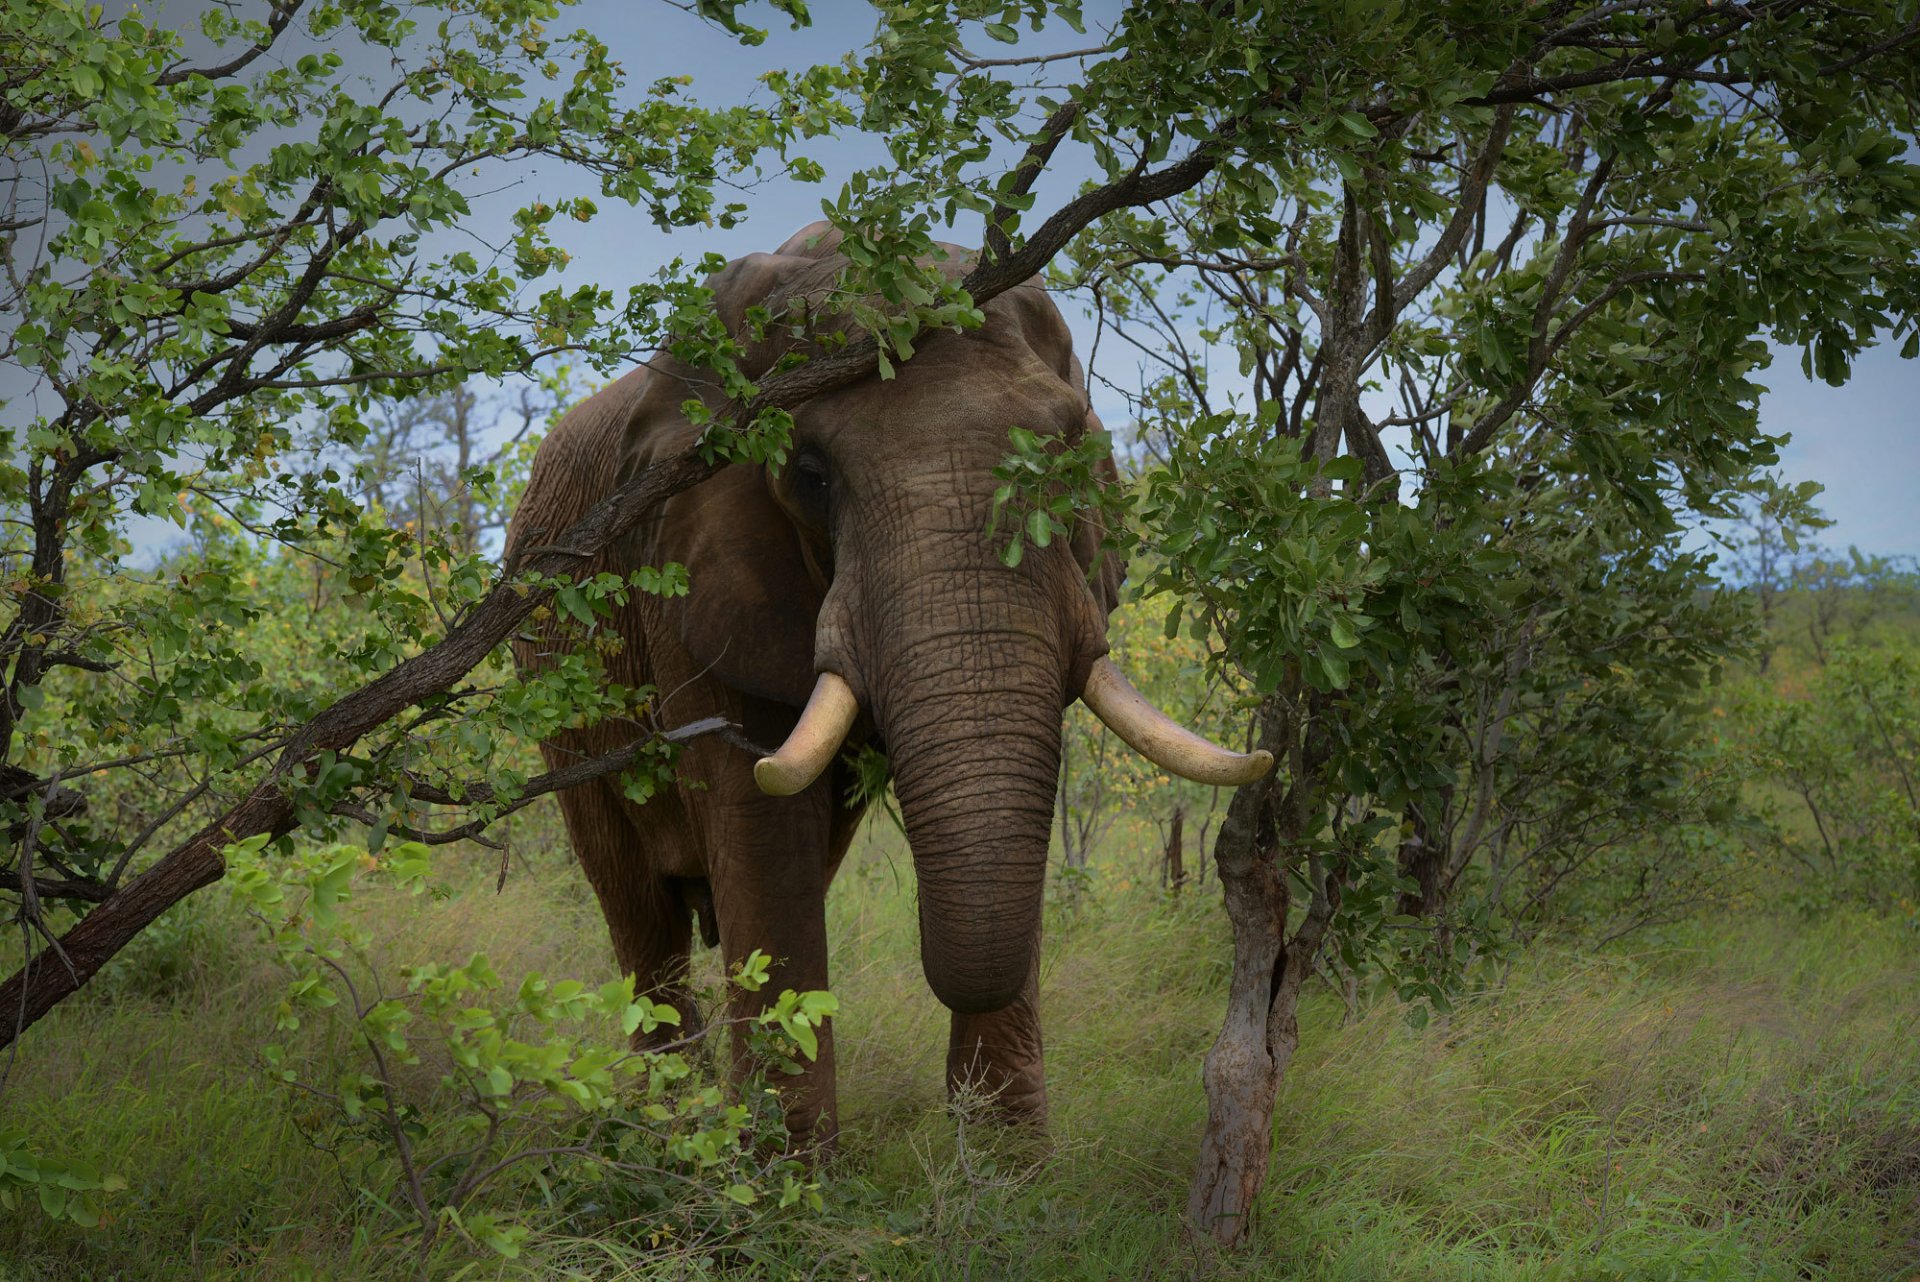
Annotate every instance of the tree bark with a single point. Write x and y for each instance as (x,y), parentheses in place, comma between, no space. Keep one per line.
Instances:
(1266,831)
(1176,853)
(1242,1074)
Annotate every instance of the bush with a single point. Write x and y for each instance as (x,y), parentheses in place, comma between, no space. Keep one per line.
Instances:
(498,1109)
(1837,751)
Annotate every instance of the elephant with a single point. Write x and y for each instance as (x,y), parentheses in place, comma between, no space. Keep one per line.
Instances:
(853,596)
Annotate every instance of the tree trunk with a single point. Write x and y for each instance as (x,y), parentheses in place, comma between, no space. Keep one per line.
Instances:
(1176,854)
(1242,1071)
(1265,832)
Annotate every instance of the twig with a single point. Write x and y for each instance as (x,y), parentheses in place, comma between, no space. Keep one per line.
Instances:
(973,63)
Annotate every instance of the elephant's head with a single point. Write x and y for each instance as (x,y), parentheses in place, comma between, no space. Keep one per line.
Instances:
(861,579)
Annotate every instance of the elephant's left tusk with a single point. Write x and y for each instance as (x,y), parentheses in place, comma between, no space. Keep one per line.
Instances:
(810,749)
(1162,740)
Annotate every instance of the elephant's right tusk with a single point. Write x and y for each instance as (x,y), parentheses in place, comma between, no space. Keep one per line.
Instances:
(810,749)
(1162,740)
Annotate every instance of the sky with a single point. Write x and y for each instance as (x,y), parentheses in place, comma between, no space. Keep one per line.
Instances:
(1859,441)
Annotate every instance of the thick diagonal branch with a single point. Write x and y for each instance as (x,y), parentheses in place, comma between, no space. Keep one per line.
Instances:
(39,986)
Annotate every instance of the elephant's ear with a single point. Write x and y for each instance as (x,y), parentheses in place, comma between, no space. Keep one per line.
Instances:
(752,601)
(748,617)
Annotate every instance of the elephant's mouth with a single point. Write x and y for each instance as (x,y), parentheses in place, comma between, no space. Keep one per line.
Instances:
(833,708)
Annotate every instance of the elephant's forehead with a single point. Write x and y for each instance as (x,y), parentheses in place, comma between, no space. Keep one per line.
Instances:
(955,385)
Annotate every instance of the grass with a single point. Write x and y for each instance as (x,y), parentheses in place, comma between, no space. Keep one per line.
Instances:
(1734,1100)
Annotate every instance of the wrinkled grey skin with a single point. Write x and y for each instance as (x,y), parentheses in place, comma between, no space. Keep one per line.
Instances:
(867,556)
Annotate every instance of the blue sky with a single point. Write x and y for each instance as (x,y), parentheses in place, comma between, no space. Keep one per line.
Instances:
(1861,441)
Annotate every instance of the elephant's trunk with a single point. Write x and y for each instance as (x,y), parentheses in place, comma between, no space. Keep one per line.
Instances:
(975,756)
(963,665)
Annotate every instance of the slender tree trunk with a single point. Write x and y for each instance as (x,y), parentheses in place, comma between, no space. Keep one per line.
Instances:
(1242,1070)
(1267,830)
(1176,853)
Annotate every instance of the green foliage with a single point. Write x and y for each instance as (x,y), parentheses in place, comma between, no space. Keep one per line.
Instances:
(1835,752)
(1452,319)
(65,1188)
(1436,372)
(1042,483)
(536,1086)
(229,273)
(1560,1118)
(1498,688)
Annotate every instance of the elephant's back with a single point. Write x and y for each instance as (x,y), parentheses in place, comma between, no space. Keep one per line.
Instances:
(577,465)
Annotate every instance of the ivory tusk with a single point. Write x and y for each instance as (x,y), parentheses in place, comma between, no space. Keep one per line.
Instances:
(810,749)
(1162,740)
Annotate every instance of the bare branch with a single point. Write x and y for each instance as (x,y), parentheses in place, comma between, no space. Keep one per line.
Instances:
(283,12)
(1469,202)
(972,63)
(1031,166)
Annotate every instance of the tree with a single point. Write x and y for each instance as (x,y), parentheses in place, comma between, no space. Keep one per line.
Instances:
(1843,596)
(1767,557)
(1842,751)
(221,270)
(1524,255)
(1526,265)
(456,461)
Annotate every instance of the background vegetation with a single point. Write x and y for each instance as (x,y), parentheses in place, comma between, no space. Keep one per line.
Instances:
(1705,1063)
(1575,936)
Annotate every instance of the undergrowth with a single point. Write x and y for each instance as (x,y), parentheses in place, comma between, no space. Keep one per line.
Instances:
(1737,1099)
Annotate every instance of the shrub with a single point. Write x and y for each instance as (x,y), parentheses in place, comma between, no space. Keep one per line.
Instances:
(493,1108)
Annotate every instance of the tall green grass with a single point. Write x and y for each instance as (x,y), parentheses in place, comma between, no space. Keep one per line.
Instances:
(1737,1099)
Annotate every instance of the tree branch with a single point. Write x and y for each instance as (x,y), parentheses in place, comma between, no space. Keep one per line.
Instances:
(283,11)
(268,809)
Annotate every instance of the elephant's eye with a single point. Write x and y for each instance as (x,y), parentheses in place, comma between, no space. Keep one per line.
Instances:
(807,485)
(809,475)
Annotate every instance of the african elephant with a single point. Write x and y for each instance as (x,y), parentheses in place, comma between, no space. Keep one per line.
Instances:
(853,596)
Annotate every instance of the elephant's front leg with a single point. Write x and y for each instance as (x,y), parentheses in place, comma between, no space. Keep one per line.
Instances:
(771,896)
(997,1056)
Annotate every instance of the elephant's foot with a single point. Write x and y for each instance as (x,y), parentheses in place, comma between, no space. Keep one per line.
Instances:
(808,1101)
(814,1141)
(996,1060)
